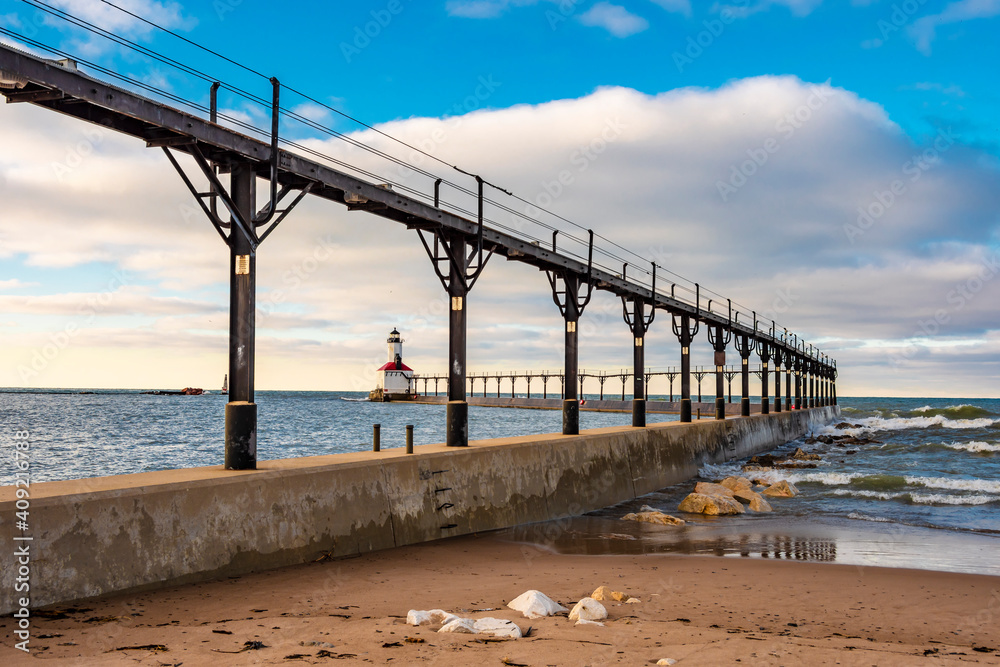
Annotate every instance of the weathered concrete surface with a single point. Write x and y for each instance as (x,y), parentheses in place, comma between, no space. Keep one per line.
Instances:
(592,405)
(101,535)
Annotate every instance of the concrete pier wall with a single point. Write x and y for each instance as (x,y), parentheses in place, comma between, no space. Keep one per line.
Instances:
(132,532)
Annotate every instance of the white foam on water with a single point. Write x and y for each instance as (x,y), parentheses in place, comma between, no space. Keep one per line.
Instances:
(877,495)
(940,499)
(828,478)
(928,408)
(955,484)
(864,517)
(920,498)
(974,447)
(874,424)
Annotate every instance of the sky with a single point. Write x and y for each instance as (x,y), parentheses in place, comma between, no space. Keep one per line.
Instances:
(834,166)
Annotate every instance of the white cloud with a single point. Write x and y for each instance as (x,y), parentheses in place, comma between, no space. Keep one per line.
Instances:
(15,284)
(165,13)
(640,169)
(678,6)
(615,19)
(924,29)
(483,9)
(797,7)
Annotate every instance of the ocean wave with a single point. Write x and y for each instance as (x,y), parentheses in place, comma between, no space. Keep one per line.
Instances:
(956,484)
(872,424)
(920,498)
(964,411)
(827,478)
(974,447)
(858,516)
(879,483)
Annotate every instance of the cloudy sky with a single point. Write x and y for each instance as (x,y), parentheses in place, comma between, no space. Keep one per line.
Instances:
(833,165)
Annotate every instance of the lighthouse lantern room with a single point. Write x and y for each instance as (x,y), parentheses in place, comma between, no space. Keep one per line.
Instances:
(395,377)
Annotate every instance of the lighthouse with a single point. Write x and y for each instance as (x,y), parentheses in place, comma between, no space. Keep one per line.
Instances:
(394,377)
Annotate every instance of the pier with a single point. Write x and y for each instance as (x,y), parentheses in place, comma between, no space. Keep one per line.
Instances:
(131,532)
(459,248)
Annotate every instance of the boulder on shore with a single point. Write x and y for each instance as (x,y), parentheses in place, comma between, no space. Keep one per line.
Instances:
(709,489)
(699,503)
(535,604)
(800,455)
(601,593)
(588,609)
(735,483)
(782,489)
(654,517)
(754,500)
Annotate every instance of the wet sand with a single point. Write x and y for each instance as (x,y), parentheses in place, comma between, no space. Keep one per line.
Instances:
(698,610)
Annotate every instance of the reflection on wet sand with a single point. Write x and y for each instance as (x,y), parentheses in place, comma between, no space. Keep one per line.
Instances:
(595,536)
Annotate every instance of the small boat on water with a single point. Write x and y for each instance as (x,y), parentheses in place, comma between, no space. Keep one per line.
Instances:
(225,384)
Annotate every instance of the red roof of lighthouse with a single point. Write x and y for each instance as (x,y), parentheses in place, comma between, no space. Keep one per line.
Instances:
(393,366)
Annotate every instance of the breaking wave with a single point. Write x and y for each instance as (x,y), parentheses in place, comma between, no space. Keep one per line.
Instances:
(920,498)
(965,411)
(974,447)
(872,424)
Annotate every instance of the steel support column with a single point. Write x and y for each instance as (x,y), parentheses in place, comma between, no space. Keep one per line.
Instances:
(457,411)
(571,359)
(744,346)
(798,383)
(639,322)
(685,335)
(777,358)
(764,350)
(241,411)
(719,339)
(788,382)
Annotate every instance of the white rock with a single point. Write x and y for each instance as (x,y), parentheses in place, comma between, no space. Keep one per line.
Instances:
(535,604)
(586,622)
(588,609)
(666,661)
(498,627)
(461,625)
(633,601)
(415,617)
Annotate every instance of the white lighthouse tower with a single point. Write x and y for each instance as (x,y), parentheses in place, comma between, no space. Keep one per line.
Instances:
(394,377)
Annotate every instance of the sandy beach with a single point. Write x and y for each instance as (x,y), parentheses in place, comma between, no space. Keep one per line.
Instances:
(697,610)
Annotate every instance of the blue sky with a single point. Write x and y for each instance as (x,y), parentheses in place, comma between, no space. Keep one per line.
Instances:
(683,95)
